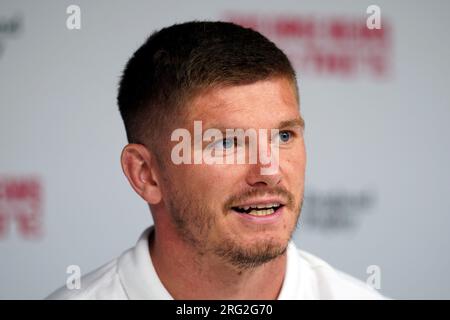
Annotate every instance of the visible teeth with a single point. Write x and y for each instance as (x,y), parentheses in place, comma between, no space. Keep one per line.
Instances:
(261,212)
(260,206)
(264,206)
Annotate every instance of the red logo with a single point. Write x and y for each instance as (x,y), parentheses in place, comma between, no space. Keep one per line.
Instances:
(21,205)
(326,45)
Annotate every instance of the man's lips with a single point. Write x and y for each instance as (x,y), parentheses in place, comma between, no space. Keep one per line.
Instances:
(260,207)
(261,201)
(268,216)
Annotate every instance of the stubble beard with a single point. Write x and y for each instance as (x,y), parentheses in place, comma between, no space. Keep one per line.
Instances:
(195,222)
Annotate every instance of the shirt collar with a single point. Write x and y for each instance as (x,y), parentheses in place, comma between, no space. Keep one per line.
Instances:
(292,282)
(137,274)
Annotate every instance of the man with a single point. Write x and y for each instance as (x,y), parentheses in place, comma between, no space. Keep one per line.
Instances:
(222,228)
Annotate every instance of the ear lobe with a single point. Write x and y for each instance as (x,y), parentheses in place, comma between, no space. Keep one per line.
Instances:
(138,165)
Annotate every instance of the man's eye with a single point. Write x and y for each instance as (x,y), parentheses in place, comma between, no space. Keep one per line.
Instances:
(285,136)
(227,143)
(224,144)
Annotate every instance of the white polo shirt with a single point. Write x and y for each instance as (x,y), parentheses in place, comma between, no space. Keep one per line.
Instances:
(132,276)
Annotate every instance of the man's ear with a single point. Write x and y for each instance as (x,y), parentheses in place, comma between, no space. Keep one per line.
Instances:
(140,167)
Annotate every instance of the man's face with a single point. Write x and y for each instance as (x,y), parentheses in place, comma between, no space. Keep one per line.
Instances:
(206,201)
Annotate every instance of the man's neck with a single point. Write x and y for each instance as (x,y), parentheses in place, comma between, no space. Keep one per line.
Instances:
(188,275)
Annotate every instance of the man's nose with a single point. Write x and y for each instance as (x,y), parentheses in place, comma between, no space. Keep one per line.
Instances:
(256,178)
(266,172)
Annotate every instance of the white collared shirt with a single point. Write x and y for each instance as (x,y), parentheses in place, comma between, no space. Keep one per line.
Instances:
(133,276)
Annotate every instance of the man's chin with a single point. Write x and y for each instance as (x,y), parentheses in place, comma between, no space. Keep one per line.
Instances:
(251,255)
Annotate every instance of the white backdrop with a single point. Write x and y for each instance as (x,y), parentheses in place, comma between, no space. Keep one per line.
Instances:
(377,136)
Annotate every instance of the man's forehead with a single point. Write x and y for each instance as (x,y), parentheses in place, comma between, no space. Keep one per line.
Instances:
(275,99)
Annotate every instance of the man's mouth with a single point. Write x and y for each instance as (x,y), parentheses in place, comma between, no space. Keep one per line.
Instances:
(259,209)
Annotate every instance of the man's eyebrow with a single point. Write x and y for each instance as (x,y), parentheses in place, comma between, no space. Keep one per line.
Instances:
(297,122)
